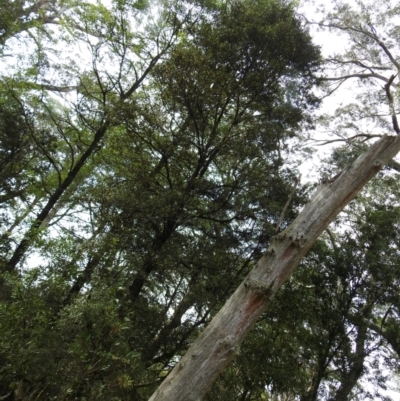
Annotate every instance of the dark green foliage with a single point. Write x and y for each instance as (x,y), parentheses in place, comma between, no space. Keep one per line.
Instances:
(15,125)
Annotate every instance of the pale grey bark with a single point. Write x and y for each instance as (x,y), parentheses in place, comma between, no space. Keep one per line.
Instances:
(211,353)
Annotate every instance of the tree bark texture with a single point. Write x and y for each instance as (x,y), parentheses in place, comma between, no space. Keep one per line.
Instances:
(215,348)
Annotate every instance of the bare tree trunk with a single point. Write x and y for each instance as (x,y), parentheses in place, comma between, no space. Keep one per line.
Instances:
(211,353)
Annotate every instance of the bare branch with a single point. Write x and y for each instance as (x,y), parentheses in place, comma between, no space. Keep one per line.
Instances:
(60,89)
(326,142)
(362,76)
(332,90)
(388,53)
(332,239)
(391,105)
(366,33)
(284,210)
(360,64)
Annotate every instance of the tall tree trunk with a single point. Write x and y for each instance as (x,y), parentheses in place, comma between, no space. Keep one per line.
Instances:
(211,353)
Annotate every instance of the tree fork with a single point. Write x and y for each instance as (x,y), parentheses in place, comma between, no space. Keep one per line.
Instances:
(215,348)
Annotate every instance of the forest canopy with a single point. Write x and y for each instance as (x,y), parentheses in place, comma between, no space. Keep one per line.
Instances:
(149,156)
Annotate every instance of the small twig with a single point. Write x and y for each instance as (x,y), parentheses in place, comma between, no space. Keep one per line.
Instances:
(370,68)
(147,384)
(284,210)
(385,316)
(333,90)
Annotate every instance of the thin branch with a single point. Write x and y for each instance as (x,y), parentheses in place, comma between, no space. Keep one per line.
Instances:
(332,238)
(391,104)
(360,64)
(385,316)
(388,53)
(394,165)
(326,142)
(332,90)
(23,215)
(362,76)
(148,384)
(284,210)
(370,35)
(60,89)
